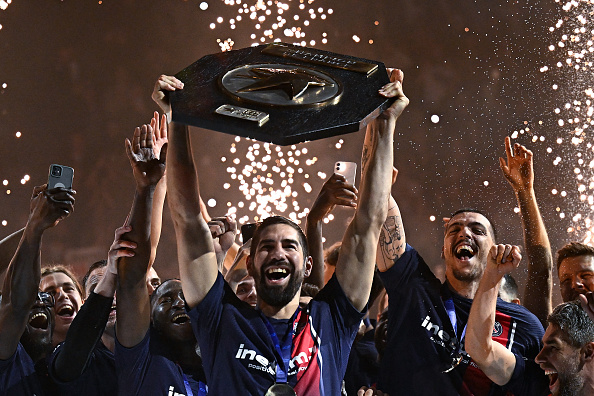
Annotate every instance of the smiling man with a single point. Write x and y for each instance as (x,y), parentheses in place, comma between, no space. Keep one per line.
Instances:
(278,349)
(575,266)
(427,319)
(567,356)
(26,324)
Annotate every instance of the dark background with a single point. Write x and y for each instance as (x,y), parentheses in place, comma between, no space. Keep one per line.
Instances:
(79,75)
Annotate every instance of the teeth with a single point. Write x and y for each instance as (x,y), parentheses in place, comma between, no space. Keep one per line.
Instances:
(276,270)
(464,247)
(179,316)
(66,310)
(550,372)
(37,315)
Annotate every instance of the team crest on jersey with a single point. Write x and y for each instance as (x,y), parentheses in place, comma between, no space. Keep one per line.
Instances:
(497,329)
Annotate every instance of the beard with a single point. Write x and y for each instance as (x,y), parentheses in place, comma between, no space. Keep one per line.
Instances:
(570,384)
(279,296)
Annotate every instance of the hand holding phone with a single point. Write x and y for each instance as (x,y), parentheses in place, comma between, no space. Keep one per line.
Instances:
(346,169)
(60,176)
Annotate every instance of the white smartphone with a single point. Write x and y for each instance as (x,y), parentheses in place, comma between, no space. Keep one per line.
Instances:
(60,176)
(347,169)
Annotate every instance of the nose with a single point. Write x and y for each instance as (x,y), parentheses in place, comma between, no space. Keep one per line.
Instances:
(577,283)
(60,294)
(277,253)
(179,302)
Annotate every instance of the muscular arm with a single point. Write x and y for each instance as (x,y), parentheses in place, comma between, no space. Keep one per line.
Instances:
(493,358)
(196,255)
(356,262)
(539,287)
(133,313)
(24,271)
(392,240)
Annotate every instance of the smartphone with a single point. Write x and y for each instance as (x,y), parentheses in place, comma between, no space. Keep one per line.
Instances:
(60,176)
(247,231)
(347,169)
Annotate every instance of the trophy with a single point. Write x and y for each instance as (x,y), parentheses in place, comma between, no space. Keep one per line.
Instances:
(280,93)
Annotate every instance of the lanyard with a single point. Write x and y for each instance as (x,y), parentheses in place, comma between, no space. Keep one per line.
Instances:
(451,310)
(284,351)
(186,382)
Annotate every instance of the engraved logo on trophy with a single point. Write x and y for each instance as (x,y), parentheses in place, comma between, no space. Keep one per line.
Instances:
(281,85)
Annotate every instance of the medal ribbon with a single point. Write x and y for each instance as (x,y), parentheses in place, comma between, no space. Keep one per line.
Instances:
(284,351)
(451,310)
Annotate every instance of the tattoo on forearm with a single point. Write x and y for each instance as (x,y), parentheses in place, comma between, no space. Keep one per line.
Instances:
(391,238)
(364,158)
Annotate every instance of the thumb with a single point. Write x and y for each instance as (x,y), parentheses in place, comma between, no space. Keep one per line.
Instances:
(163,154)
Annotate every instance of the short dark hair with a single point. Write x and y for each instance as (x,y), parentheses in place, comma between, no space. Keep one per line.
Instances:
(309,290)
(482,213)
(93,267)
(66,271)
(331,254)
(153,296)
(574,322)
(273,220)
(573,249)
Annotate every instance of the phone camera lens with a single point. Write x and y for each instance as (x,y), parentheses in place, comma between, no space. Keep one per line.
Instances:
(56,171)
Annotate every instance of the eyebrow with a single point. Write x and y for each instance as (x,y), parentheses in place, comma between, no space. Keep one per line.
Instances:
(473,224)
(287,240)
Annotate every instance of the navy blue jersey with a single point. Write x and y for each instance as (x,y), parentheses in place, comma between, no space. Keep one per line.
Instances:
(98,377)
(20,376)
(142,370)
(238,352)
(422,351)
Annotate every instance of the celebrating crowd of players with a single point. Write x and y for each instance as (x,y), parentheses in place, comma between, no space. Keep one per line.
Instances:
(277,316)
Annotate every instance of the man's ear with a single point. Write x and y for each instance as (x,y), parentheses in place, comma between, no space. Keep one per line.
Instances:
(307,266)
(249,265)
(587,352)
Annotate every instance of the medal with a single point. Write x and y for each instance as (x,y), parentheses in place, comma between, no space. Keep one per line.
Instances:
(279,389)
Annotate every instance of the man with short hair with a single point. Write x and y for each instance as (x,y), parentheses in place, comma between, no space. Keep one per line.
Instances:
(26,324)
(575,266)
(567,356)
(427,321)
(278,347)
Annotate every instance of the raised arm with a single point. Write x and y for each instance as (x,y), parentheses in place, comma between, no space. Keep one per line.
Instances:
(159,125)
(87,328)
(195,251)
(356,262)
(335,191)
(392,241)
(7,248)
(493,358)
(24,271)
(133,313)
(539,286)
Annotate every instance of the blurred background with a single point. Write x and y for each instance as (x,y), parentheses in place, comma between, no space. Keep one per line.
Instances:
(76,78)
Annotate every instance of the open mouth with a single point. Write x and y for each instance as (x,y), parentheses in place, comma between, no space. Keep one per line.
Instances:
(276,274)
(39,321)
(464,252)
(66,310)
(553,378)
(181,318)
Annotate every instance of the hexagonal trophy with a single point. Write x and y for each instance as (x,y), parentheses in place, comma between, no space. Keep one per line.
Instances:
(280,93)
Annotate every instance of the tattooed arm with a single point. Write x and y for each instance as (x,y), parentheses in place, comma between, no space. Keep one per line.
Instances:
(392,241)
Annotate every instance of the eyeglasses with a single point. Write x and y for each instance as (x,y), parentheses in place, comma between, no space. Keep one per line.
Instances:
(46,298)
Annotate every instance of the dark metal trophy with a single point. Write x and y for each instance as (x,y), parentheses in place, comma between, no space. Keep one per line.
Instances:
(280,93)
